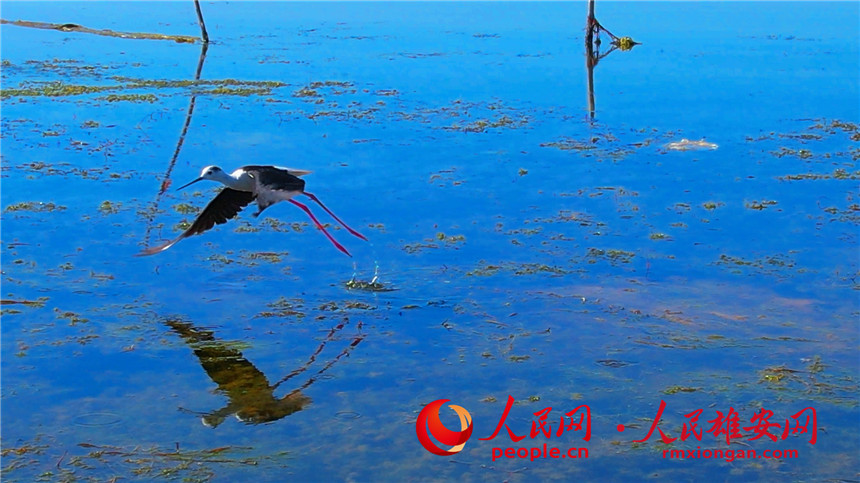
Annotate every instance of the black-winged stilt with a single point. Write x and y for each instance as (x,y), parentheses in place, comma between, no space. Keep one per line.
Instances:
(266,184)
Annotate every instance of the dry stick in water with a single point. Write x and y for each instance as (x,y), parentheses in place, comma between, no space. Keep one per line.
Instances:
(71,27)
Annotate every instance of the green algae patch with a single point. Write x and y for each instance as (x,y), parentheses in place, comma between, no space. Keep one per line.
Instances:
(676,389)
(306,92)
(220,259)
(65,67)
(343,306)
(72,317)
(218,87)
(268,257)
(279,226)
(481,125)
(53,89)
(813,381)
(441,240)
(773,375)
(485,269)
(798,153)
(239,91)
(34,206)
(815,365)
(135,82)
(849,127)
(412,248)
(838,173)
(129,98)
(613,256)
(246,227)
(768,262)
(330,83)
(760,205)
(446,176)
(182,226)
(536,268)
(186,209)
(100,462)
(109,207)
(602,146)
(450,239)
(568,144)
(284,307)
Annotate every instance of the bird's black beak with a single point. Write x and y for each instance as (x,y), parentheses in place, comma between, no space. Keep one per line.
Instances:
(189,184)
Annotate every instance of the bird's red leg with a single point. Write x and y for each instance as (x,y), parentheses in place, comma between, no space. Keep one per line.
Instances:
(313,197)
(317,223)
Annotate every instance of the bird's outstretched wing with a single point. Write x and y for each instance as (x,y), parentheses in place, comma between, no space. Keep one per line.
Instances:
(270,178)
(223,207)
(293,171)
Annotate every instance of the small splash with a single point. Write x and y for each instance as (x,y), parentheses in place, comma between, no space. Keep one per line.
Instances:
(687,145)
(374,285)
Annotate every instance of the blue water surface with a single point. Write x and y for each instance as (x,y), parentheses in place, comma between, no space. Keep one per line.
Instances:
(519,244)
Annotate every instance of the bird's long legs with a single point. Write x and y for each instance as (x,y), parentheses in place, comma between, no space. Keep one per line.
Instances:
(319,225)
(317,200)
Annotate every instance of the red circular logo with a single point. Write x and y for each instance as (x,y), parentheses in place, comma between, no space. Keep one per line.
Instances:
(428,422)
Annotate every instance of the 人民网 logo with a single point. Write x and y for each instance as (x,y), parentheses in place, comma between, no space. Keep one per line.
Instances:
(429,424)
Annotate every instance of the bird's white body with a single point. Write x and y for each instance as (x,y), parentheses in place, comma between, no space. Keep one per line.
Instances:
(238,180)
(242,180)
(265,184)
(270,184)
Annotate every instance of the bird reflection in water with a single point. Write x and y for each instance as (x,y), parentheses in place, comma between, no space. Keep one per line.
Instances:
(251,397)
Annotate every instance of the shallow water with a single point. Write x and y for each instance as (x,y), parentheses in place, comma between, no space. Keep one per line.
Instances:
(526,249)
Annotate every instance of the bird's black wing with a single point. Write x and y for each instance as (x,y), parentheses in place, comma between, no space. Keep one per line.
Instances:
(269,177)
(223,207)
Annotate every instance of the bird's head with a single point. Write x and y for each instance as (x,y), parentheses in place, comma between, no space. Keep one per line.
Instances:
(213,173)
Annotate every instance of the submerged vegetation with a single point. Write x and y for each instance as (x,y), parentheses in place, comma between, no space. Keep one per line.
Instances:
(86,461)
(34,206)
(123,83)
(519,247)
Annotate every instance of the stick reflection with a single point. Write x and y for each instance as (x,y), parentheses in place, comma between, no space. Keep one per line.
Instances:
(166,181)
(251,397)
(592,50)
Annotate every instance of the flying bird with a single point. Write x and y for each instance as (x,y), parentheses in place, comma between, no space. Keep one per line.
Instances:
(266,184)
